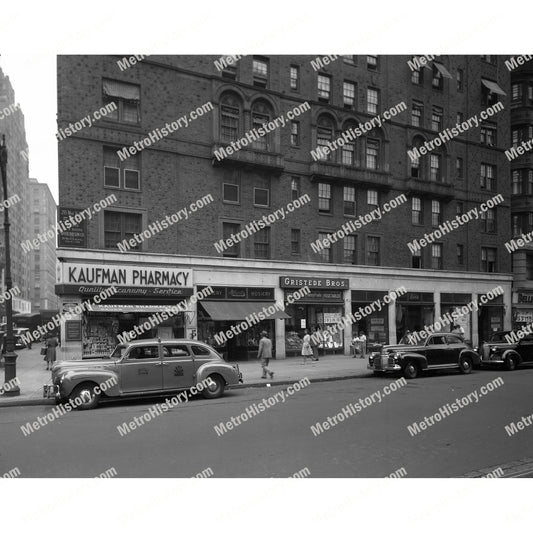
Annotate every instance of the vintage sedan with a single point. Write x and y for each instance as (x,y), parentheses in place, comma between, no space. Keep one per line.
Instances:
(152,367)
(499,352)
(440,351)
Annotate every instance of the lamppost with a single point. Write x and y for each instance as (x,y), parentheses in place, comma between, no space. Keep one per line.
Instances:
(10,357)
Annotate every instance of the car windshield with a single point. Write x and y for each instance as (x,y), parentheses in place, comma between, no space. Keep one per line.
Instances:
(118,351)
(408,338)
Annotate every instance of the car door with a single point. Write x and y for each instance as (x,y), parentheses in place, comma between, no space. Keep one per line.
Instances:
(141,370)
(178,367)
(525,349)
(455,347)
(436,350)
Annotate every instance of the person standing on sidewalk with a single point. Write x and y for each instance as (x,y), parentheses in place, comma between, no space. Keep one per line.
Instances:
(314,344)
(307,351)
(51,345)
(362,342)
(265,354)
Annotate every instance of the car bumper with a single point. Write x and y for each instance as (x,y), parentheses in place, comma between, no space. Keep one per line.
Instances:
(51,392)
(388,368)
(491,362)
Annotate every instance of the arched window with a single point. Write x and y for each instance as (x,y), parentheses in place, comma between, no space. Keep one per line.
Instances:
(324,134)
(261,114)
(230,117)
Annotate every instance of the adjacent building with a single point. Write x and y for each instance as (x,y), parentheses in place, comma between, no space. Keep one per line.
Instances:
(12,126)
(235,139)
(42,259)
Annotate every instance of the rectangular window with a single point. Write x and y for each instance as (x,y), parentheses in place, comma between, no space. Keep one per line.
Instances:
(460,80)
(436,256)
(437,81)
(348,59)
(460,254)
(119,226)
(372,101)
(325,253)
(121,174)
(417,77)
(295,133)
(372,197)
(348,153)
(348,92)
(229,123)
(459,168)
(488,177)
(295,241)
(349,252)
(516,93)
(372,62)
(416,259)
(127,98)
(295,78)
(261,197)
(516,182)
(295,188)
(261,143)
(436,215)
(260,72)
(488,135)
(416,210)
(434,167)
(324,198)
(436,118)
(231,188)
(416,114)
(373,255)
(262,244)
(415,168)
(488,259)
(372,154)
(324,87)
(349,201)
(324,137)
(489,218)
(229,230)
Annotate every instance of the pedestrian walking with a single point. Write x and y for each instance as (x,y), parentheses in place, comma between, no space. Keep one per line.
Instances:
(314,343)
(307,351)
(362,344)
(356,346)
(265,354)
(51,345)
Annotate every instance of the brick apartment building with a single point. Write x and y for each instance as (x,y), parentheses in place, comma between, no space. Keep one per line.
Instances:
(43,259)
(522,189)
(246,92)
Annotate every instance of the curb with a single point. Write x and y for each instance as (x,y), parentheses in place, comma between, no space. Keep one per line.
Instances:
(37,401)
(513,469)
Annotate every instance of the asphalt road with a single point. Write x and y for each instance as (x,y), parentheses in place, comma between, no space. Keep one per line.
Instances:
(278,441)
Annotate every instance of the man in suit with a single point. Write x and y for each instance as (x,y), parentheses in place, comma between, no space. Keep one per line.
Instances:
(265,354)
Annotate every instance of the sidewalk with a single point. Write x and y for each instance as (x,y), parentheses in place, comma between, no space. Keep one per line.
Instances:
(32,374)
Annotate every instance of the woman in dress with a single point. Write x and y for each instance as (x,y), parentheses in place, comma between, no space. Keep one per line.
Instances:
(51,345)
(307,351)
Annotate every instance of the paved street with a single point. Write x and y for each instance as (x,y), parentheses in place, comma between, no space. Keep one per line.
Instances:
(278,442)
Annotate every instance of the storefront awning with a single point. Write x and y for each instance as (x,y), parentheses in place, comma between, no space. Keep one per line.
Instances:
(493,87)
(241,310)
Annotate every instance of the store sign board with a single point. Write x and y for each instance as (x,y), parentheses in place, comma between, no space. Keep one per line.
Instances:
(123,276)
(90,290)
(524,316)
(240,293)
(314,283)
(74,236)
(320,296)
(73,330)
(525,297)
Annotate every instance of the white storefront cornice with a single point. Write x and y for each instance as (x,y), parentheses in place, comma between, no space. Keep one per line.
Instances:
(282,268)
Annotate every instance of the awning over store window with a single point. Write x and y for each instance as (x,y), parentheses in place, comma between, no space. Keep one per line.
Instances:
(442,69)
(240,310)
(493,87)
(121,90)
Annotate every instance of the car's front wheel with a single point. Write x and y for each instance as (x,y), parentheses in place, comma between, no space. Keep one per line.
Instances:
(510,362)
(215,389)
(410,370)
(465,365)
(84,396)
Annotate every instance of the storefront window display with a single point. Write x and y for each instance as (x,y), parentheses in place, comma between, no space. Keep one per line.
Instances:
(375,325)
(414,311)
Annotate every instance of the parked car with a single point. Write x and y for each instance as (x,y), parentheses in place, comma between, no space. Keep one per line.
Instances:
(142,368)
(498,352)
(440,351)
(17,337)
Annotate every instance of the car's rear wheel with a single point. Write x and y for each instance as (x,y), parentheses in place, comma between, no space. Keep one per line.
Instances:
(410,370)
(84,396)
(216,388)
(510,362)
(465,365)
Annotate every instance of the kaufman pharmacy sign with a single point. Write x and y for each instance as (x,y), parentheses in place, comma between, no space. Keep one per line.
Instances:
(83,278)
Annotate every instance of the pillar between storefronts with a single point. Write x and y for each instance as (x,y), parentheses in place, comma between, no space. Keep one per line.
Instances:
(475,322)
(392,321)
(347,332)
(279,326)
(436,302)
(508,310)
(191,320)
